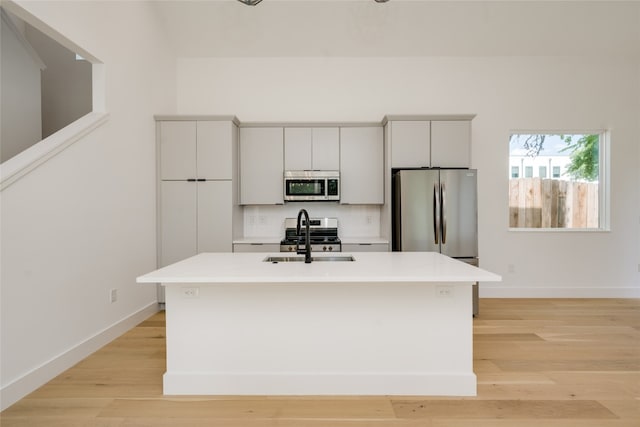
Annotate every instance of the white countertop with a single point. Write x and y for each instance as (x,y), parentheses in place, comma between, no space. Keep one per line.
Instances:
(393,267)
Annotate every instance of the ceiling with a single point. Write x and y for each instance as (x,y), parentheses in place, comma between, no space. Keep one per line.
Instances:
(278,28)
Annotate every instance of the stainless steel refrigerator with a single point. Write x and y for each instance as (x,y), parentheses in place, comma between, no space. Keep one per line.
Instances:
(436,210)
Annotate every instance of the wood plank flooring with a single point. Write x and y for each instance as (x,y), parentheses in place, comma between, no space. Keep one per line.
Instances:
(550,362)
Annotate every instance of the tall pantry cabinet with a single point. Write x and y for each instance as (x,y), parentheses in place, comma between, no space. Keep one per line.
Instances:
(197,179)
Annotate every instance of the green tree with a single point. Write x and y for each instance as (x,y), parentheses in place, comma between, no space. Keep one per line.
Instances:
(584,157)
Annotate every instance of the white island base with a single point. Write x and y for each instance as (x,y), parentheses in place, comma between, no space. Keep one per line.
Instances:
(369,327)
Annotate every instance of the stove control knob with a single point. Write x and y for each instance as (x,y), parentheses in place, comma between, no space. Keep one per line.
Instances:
(324,248)
(290,248)
(330,248)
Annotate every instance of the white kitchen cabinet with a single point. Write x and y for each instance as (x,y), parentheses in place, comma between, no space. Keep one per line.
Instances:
(197,200)
(178,213)
(195,149)
(451,143)
(177,140)
(410,143)
(215,149)
(365,247)
(361,165)
(195,217)
(430,143)
(311,148)
(325,150)
(256,247)
(297,149)
(215,203)
(261,166)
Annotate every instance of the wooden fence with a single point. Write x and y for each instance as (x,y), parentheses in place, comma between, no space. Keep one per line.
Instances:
(552,203)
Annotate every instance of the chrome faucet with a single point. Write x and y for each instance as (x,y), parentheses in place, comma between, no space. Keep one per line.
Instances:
(307,242)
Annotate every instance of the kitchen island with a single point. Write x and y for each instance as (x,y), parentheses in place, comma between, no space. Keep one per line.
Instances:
(387,323)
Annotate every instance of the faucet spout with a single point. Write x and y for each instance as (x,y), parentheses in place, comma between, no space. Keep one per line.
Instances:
(307,241)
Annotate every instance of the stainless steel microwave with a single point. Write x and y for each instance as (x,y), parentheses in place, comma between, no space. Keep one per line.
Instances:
(304,186)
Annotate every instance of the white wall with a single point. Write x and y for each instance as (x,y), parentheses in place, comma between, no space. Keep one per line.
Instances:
(83,223)
(506,93)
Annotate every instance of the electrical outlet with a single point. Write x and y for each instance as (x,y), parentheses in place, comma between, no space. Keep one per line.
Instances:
(113,295)
(251,219)
(369,219)
(511,268)
(191,292)
(444,291)
(262,219)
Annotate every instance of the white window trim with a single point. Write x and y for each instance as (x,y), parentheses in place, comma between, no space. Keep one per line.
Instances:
(21,164)
(604,193)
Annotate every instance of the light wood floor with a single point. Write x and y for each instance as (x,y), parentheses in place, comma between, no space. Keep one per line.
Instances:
(560,362)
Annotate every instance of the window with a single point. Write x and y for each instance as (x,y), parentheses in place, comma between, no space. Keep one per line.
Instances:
(515,172)
(528,171)
(574,197)
(542,171)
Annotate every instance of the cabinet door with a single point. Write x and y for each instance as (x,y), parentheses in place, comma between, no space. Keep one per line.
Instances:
(214,216)
(361,165)
(177,150)
(214,149)
(325,150)
(410,144)
(297,149)
(178,235)
(451,144)
(261,166)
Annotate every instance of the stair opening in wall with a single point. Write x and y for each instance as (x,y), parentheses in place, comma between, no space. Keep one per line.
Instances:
(48,82)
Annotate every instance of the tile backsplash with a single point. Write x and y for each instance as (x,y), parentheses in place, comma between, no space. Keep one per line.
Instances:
(353,220)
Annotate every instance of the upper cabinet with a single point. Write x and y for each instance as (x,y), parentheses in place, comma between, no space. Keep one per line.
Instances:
(361,165)
(261,165)
(430,143)
(451,143)
(308,148)
(410,143)
(196,149)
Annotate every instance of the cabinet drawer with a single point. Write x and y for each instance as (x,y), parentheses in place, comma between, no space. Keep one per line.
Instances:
(256,247)
(365,247)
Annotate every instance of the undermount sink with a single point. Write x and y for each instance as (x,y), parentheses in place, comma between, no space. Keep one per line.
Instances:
(276,259)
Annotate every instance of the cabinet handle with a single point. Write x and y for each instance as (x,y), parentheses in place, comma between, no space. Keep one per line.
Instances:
(191,180)
(201,179)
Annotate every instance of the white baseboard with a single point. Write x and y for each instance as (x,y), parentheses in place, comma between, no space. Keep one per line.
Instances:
(511,292)
(334,384)
(39,376)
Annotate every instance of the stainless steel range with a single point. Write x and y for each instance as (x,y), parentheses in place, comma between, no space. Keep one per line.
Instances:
(323,235)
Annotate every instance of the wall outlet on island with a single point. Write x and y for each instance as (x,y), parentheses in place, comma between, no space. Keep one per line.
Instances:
(191,292)
(113,295)
(444,291)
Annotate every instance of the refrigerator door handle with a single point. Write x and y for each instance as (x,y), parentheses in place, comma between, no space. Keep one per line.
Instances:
(443,197)
(436,213)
